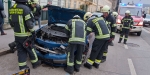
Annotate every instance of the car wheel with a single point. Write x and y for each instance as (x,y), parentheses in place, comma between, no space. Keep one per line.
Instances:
(139,33)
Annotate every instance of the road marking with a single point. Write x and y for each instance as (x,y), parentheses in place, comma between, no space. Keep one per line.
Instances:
(131,66)
(125,46)
(145,30)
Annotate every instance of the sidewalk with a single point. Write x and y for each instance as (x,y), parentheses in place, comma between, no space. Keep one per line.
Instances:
(6,39)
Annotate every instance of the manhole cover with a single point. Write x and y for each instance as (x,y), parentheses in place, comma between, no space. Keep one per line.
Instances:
(133,45)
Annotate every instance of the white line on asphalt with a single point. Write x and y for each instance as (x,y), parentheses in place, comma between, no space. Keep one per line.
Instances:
(131,66)
(146,30)
(125,46)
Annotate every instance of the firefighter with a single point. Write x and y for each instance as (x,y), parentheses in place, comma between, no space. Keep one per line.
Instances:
(110,21)
(127,23)
(102,35)
(32,4)
(115,14)
(21,20)
(75,29)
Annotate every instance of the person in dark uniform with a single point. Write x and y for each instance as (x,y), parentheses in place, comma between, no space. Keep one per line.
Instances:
(102,35)
(75,29)
(21,20)
(2,18)
(127,23)
(32,4)
(111,23)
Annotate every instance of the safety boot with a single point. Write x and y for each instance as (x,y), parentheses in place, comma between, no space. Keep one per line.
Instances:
(12,46)
(37,64)
(125,41)
(111,44)
(87,65)
(69,69)
(120,40)
(96,65)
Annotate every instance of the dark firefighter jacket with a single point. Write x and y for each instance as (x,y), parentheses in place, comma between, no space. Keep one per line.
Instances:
(76,31)
(37,12)
(112,22)
(127,22)
(98,25)
(21,19)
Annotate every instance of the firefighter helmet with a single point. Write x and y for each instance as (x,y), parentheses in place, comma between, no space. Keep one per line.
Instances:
(76,17)
(87,15)
(115,14)
(106,8)
(33,1)
(127,12)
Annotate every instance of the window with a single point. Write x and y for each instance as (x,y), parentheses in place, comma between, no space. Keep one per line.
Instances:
(75,4)
(69,3)
(134,11)
(59,3)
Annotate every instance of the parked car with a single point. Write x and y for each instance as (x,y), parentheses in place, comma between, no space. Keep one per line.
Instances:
(99,14)
(52,41)
(146,20)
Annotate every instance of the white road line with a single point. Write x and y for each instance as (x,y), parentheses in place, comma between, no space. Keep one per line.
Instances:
(131,66)
(146,30)
(125,46)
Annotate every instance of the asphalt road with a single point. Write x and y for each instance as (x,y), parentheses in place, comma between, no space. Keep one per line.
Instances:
(133,59)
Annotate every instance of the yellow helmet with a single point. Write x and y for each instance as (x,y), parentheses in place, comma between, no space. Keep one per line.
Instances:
(115,14)
(127,12)
(87,15)
(33,1)
(106,8)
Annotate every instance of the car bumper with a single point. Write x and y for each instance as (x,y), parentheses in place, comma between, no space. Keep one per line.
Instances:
(134,29)
(146,22)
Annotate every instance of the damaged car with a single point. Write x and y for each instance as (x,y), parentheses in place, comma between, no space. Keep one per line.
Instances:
(51,40)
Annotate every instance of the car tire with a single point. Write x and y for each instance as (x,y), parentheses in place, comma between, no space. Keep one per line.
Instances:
(139,33)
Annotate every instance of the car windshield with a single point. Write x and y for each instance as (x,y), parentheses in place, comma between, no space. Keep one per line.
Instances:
(148,16)
(97,13)
(134,11)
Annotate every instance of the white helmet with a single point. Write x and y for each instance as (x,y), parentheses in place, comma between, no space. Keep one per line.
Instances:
(106,8)
(76,17)
(87,15)
(115,14)
(127,12)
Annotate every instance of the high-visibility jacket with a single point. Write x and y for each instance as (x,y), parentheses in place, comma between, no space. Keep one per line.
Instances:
(99,27)
(127,22)
(21,20)
(76,31)
(112,22)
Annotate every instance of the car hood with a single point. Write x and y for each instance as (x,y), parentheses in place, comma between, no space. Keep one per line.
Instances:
(62,15)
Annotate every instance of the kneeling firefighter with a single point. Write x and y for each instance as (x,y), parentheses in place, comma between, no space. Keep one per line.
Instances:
(21,20)
(102,35)
(127,24)
(75,29)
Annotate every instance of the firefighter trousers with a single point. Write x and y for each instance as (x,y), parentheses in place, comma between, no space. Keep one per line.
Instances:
(126,33)
(99,46)
(22,53)
(105,51)
(74,58)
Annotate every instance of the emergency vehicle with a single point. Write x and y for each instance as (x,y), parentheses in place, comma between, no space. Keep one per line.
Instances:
(136,13)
